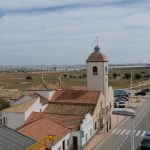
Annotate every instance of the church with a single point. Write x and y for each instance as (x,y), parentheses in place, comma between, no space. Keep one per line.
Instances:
(74,116)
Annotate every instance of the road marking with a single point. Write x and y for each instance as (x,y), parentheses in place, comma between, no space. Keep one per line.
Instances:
(128,132)
(114,131)
(137,134)
(118,131)
(143,133)
(123,131)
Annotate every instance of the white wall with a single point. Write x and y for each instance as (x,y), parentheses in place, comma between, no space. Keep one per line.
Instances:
(87,128)
(14,120)
(36,106)
(46,94)
(97,82)
(70,137)
(60,143)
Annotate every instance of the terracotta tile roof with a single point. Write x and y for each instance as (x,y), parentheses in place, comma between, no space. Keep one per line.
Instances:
(42,127)
(76,96)
(97,56)
(70,121)
(21,107)
(69,108)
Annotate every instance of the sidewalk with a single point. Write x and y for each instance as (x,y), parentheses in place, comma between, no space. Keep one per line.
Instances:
(115,120)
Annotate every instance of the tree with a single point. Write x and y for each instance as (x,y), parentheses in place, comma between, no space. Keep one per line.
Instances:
(138,76)
(28,78)
(127,75)
(3,104)
(65,75)
(115,75)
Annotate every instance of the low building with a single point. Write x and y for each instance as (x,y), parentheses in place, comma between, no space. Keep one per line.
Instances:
(15,116)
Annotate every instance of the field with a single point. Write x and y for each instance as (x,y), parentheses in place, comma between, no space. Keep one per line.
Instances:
(71,80)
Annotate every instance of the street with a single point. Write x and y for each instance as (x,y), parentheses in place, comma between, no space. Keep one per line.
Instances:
(120,137)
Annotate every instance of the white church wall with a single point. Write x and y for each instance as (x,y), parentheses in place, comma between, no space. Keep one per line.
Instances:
(86,128)
(46,94)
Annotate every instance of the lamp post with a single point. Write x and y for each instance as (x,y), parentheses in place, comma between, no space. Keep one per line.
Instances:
(126,112)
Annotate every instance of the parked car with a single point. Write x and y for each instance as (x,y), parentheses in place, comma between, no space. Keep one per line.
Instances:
(145,144)
(121,92)
(146,90)
(120,99)
(122,104)
(142,93)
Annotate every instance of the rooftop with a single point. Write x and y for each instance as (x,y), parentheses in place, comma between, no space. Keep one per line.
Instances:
(76,96)
(97,56)
(21,107)
(69,108)
(42,126)
(11,139)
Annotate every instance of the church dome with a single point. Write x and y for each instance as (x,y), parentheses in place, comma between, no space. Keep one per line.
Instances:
(97,56)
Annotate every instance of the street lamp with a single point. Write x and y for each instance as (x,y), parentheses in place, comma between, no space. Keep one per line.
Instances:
(126,112)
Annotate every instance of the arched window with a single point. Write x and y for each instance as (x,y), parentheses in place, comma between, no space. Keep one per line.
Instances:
(95,70)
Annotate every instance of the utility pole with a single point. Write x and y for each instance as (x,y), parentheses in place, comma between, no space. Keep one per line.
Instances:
(131,88)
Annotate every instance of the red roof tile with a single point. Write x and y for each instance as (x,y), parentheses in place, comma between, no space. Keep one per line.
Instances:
(42,127)
(97,56)
(76,96)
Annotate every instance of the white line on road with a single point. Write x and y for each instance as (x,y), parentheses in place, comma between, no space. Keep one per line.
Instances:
(128,132)
(137,134)
(143,133)
(123,131)
(118,131)
(114,131)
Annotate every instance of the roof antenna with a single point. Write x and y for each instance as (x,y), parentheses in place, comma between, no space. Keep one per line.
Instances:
(97,40)
(97,48)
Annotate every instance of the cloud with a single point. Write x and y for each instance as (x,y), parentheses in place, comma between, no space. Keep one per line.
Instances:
(50,32)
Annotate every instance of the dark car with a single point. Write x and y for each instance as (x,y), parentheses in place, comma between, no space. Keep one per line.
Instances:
(145,144)
(142,93)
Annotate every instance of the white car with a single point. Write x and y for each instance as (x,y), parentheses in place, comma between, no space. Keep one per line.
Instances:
(122,104)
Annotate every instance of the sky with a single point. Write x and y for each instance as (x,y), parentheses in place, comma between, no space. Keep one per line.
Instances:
(64,32)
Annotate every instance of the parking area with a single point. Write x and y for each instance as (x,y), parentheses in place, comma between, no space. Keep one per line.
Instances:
(132,100)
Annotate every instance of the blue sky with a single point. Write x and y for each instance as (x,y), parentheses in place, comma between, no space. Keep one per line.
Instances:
(54,32)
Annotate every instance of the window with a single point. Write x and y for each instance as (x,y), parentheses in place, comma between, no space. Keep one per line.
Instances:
(4,121)
(86,137)
(95,70)
(101,105)
(91,132)
(106,69)
(59,148)
(68,142)
(95,126)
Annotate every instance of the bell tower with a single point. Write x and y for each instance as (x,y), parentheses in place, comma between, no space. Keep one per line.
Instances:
(97,71)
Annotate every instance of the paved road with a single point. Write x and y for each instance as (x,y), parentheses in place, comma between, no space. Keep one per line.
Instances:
(120,138)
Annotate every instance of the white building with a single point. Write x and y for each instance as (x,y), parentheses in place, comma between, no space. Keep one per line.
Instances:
(16,115)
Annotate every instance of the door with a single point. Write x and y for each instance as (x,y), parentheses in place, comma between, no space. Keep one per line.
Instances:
(75,143)
(63,145)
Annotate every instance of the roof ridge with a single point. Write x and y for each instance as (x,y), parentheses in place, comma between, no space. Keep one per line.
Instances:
(24,125)
(41,96)
(70,103)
